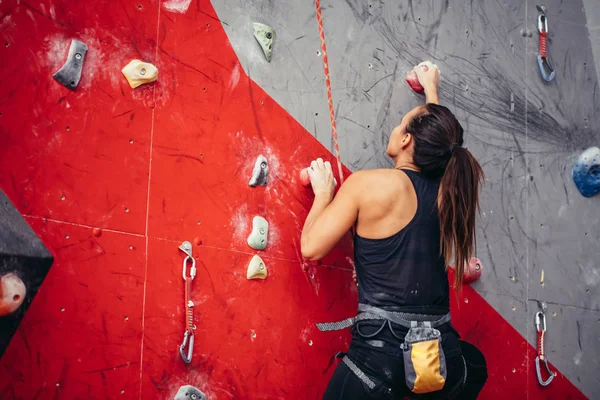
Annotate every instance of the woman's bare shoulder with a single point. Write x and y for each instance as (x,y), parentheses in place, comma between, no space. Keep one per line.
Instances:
(382,180)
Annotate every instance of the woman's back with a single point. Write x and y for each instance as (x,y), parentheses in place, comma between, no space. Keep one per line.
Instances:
(405,268)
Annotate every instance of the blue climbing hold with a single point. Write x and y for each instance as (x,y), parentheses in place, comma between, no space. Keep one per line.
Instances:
(586,172)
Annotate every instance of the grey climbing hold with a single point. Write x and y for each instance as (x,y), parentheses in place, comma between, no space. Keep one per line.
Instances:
(188,392)
(586,172)
(70,73)
(258,237)
(265,35)
(256,269)
(260,173)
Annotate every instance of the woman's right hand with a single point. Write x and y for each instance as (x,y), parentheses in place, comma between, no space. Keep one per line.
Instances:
(429,75)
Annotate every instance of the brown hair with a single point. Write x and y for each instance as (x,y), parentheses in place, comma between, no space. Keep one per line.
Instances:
(438,152)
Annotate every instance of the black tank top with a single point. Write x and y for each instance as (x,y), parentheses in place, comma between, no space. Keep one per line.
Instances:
(406,270)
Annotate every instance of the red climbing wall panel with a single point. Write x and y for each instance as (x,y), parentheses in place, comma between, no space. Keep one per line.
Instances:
(155,166)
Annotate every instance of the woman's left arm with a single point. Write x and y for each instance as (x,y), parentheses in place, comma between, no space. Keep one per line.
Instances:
(329,219)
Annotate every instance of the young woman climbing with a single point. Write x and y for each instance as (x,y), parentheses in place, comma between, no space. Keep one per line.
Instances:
(410,222)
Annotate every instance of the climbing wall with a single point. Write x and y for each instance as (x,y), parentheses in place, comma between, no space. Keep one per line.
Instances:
(538,238)
(114,179)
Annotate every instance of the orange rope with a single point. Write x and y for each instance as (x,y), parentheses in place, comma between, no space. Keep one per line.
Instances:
(329,97)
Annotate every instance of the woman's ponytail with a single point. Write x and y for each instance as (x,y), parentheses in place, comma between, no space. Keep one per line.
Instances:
(458,203)
(438,152)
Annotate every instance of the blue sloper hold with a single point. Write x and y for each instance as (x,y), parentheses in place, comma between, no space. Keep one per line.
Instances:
(586,172)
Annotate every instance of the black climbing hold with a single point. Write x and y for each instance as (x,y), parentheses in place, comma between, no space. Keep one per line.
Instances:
(70,73)
(23,258)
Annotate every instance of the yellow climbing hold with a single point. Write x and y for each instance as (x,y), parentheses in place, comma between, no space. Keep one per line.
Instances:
(256,269)
(138,72)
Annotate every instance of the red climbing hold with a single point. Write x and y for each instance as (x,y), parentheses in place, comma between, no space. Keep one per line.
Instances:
(97,232)
(472,271)
(413,82)
(304,178)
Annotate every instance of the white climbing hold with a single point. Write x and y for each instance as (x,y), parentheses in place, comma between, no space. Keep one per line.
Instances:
(12,293)
(265,35)
(138,72)
(256,269)
(260,231)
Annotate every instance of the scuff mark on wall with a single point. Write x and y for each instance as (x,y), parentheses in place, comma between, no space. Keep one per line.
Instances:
(177,6)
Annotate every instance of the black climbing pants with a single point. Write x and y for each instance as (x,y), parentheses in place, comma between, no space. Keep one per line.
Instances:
(467,371)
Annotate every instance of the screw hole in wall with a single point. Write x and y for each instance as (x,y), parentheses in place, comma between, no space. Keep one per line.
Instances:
(67,128)
(16,297)
(139,7)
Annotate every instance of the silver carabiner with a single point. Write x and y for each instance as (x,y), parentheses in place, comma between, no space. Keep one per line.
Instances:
(188,338)
(542,24)
(539,372)
(186,247)
(540,321)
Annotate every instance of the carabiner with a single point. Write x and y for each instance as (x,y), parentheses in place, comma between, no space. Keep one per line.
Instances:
(542,24)
(186,247)
(188,338)
(539,372)
(540,321)
(546,69)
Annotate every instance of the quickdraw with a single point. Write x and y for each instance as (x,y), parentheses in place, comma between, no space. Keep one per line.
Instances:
(540,325)
(546,69)
(188,335)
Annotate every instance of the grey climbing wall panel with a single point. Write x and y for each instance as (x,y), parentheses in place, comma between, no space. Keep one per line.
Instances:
(525,132)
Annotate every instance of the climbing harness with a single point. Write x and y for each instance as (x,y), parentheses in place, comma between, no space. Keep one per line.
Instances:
(546,69)
(422,347)
(540,325)
(188,335)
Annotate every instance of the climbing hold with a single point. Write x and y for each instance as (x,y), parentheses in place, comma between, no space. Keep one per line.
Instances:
(256,269)
(12,293)
(138,72)
(260,230)
(472,271)
(260,173)
(189,392)
(413,82)
(586,172)
(70,73)
(264,35)
(304,178)
(97,232)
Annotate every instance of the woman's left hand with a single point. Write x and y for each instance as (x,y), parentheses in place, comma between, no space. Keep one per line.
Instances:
(321,178)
